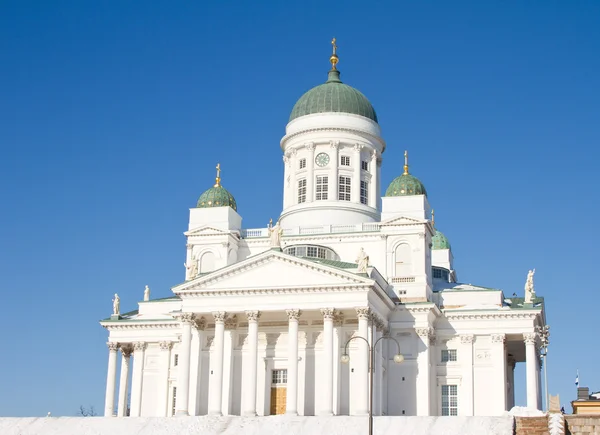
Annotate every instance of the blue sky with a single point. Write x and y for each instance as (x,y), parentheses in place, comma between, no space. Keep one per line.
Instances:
(114,114)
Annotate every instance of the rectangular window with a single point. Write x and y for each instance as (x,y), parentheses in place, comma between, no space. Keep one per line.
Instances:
(364,192)
(345,161)
(437,273)
(322,183)
(175,360)
(449,400)
(279,377)
(364,165)
(448,355)
(301,191)
(344,189)
(174,401)
(302,164)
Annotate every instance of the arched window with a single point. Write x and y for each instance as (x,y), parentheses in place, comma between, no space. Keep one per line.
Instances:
(207,262)
(403,260)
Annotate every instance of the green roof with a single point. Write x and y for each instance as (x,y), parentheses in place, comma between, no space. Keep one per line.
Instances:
(439,241)
(333,96)
(405,185)
(332,263)
(217,196)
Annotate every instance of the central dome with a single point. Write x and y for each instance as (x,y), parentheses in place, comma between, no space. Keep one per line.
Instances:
(333,96)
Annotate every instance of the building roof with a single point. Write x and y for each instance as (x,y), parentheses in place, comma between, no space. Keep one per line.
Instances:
(217,196)
(333,96)
(439,241)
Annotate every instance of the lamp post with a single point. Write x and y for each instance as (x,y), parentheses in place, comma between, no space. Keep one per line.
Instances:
(544,333)
(398,358)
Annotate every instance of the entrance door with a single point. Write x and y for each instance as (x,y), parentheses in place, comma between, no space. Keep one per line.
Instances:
(278,391)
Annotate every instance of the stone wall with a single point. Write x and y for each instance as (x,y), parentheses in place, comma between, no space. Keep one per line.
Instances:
(531,425)
(582,424)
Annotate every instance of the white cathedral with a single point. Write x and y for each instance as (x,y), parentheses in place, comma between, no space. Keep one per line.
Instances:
(282,319)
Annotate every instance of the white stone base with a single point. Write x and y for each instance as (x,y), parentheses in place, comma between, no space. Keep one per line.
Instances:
(275,425)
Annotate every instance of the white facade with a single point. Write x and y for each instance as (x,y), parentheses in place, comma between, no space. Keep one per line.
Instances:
(261,330)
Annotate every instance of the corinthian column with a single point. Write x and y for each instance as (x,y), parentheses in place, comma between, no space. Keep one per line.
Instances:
(183,371)
(215,395)
(292,375)
(531,369)
(328,314)
(252,367)
(139,349)
(126,350)
(362,364)
(111,379)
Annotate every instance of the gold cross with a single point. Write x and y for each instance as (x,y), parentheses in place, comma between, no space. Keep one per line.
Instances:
(334,46)
(218,170)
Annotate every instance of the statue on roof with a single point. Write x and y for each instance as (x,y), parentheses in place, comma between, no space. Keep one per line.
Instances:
(362,260)
(275,233)
(191,269)
(146,294)
(529,288)
(116,305)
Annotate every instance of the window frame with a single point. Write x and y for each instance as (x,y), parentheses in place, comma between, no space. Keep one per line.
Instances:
(344,188)
(302,163)
(364,192)
(449,356)
(345,161)
(451,407)
(321,188)
(301,191)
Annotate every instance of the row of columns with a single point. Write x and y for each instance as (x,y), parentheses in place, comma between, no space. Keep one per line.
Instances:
(127,350)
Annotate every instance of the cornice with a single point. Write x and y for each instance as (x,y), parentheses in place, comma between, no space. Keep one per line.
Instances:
(362,133)
(365,235)
(489,315)
(119,326)
(197,293)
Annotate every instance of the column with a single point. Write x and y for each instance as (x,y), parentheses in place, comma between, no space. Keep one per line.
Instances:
(293,199)
(183,370)
(328,315)
(286,186)
(310,172)
(362,365)
(539,378)
(216,368)
(531,369)
(338,322)
(291,404)
(355,196)
(228,343)
(196,365)
(162,399)
(511,382)
(423,375)
(498,393)
(124,380)
(466,392)
(249,398)
(373,194)
(111,379)
(335,163)
(139,349)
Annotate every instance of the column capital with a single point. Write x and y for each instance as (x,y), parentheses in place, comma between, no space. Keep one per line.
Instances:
(200,323)
(113,346)
(253,316)
(231,322)
(328,313)
(186,317)
(530,338)
(334,143)
(427,334)
(310,146)
(165,345)
(374,157)
(219,316)
(139,346)
(363,313)
(293,314)
(467,338)
(126,350)
(189,246)
(358,147)
(498,338)
(338,319)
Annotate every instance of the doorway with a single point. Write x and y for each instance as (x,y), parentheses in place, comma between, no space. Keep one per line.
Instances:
(278,391)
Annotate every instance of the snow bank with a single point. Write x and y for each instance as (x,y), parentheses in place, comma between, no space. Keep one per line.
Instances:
(523,411)
(275,425)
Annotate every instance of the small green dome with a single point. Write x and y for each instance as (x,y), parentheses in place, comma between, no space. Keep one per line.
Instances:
(439,241)
(333,96)
(216,196)
(405,185)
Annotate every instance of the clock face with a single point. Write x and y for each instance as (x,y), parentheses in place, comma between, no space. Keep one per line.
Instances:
(322,159)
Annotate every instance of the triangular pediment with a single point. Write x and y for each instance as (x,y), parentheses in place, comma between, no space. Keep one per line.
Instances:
(273,270)
(205,230)
(403,221)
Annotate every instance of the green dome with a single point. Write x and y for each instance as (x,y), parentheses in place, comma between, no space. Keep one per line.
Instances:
(439,241)
(333,96)
(216,196)
(405,185)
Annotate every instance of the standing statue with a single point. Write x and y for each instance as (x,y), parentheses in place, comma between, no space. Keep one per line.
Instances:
(362,260)
(146,294)
(191,269)
(116,305)
(529,288)
(275,233)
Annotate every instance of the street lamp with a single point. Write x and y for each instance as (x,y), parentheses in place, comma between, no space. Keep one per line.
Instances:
(398,358)
(544,333)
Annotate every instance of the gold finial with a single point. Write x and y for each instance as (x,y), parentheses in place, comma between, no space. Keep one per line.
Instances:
(334,58)
(432,218)
(218,179)
(405,162)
